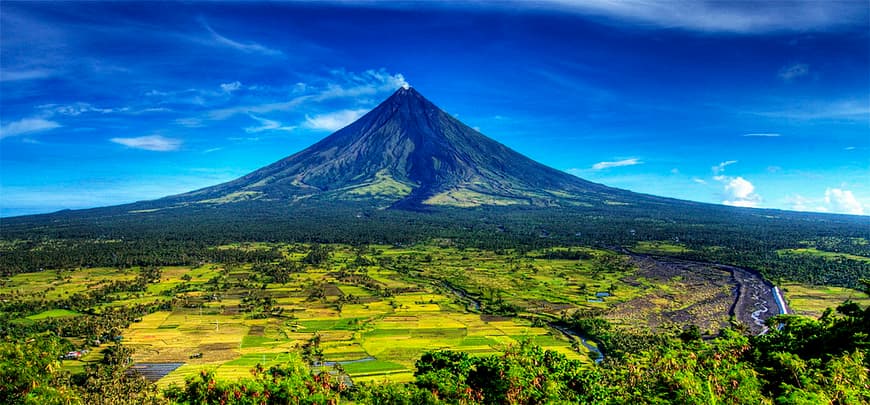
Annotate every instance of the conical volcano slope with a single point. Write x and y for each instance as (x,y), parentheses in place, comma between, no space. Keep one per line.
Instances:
(408,153)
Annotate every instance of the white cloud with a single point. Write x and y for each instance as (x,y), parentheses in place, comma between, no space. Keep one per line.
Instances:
(26,126)
(77,109)
(333,121)
(156,143)
(835,200)
(699,181)
(801,203)
(190,122)
(370,82)
(231,87)
(794,71)
(156,93)
(740,188)
(843,110)
(738,192)
(7,75)
(618,163)
(843,201)
(763,134)
(721,167)
(267,125)
(250,47)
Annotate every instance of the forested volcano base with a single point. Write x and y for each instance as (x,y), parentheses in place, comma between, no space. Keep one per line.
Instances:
(423,323)
(820,249)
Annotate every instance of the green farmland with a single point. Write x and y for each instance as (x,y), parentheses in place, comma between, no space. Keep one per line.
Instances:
(373,310)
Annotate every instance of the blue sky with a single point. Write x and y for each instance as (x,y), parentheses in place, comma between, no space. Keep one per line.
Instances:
(751,104)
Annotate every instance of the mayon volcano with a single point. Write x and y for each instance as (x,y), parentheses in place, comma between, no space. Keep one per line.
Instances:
(407,153)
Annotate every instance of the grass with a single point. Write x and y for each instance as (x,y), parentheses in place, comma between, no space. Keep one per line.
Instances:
(383,186)
(56,285)
(53,313)
(372,367)
(825,254)
(314,325)
(812,300)
(469,198)
(658,247)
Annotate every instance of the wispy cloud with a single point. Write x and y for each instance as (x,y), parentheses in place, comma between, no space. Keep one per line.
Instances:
(718,169)
(618,163)
(246,47)
(333,121)
(369,82)
(842,110)
(26,126)
(8,75)
(267,125)
(77,109)
(155,143)
(739,17)
(231,87)
(574,83)
(340,84)
(190,122)
(763,135)
(699,180)
(263,108)
(794,71)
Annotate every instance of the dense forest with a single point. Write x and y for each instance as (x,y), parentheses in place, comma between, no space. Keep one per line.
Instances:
(747,238)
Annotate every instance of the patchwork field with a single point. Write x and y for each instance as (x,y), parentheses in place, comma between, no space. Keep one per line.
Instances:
(370,312)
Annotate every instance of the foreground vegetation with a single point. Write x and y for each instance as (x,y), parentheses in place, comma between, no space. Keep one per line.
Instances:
(805,362)
(424,323)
